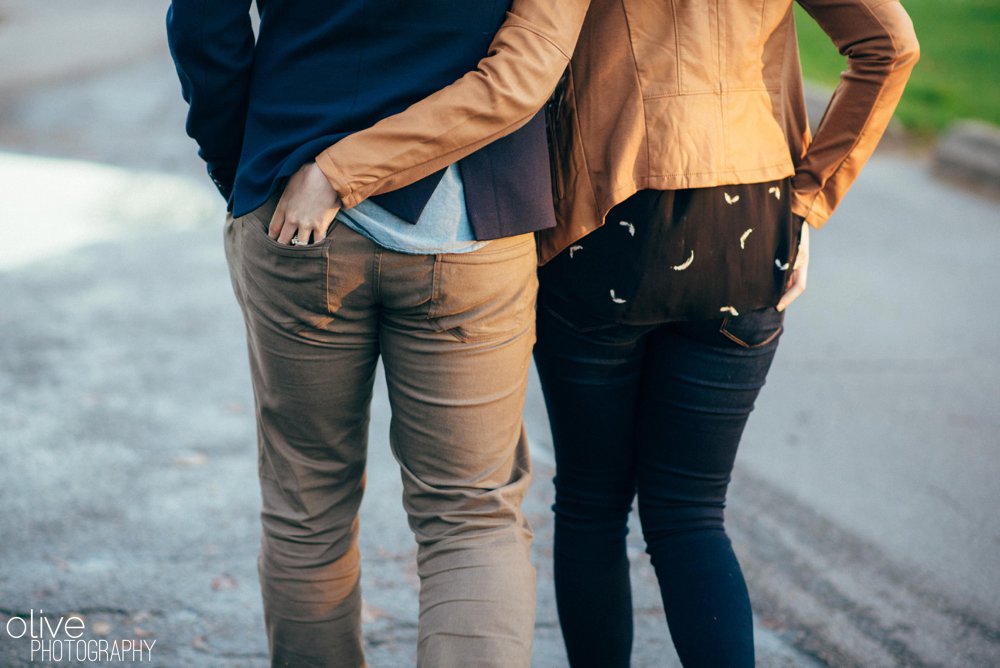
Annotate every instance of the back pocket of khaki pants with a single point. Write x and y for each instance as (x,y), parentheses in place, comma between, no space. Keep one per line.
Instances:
(483,295)
(286,284)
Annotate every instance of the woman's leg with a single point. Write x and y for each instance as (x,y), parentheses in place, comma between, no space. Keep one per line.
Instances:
(591,381)
(699,387)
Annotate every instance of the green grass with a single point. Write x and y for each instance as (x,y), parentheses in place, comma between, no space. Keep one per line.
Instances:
(958,75)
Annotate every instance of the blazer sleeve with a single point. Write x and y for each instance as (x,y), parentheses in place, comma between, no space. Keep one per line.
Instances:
(526,58)
(212,42)
(878,39)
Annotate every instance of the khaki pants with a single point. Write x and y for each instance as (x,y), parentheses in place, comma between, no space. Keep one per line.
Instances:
(455,333)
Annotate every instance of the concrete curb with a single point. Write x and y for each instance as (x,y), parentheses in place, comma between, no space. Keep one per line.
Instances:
(969,152)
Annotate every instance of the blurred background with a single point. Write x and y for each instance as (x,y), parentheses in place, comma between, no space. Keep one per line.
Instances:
(863,507)
(957,75)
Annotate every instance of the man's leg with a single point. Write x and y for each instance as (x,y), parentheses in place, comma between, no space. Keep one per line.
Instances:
(457,368)
(313,350)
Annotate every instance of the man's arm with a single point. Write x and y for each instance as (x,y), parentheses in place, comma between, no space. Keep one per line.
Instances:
(881,47)
(525,61)
(212,43)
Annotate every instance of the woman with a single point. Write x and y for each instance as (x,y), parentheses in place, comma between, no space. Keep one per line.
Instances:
(684,172)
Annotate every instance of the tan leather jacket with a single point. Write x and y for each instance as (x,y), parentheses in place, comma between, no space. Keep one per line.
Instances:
(669,94)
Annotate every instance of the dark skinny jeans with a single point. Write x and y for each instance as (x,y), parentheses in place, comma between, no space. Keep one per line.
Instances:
(655,411)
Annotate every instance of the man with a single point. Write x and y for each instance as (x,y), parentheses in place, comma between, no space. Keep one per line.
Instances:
(331,106)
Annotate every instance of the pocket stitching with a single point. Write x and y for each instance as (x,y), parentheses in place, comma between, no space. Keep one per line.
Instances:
(460,333)
(740,342)
(289,251)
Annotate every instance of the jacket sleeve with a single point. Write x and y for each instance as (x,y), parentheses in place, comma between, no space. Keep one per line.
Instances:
(211,42)
(881,47)
(527,57)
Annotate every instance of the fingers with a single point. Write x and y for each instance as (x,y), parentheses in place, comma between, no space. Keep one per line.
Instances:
(802,257)
(290,230)
(321,227)
(284,227)
(303,233)
(799,274)
(795,288)
(277,220)
(306,209)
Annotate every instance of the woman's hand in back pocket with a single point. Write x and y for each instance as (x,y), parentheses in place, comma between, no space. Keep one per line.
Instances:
(306,209)
(797,280)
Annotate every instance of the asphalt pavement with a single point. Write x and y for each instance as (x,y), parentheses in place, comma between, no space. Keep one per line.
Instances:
(862,507)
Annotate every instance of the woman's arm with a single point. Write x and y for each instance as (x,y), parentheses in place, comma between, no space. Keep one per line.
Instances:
(527,57)
(881,47)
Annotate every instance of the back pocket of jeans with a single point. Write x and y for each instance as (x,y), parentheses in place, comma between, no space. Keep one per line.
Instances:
(754,328)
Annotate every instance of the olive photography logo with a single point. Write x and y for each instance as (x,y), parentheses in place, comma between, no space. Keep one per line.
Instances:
(63,639)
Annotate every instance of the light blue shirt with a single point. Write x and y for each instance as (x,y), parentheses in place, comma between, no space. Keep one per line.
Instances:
(443,226)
